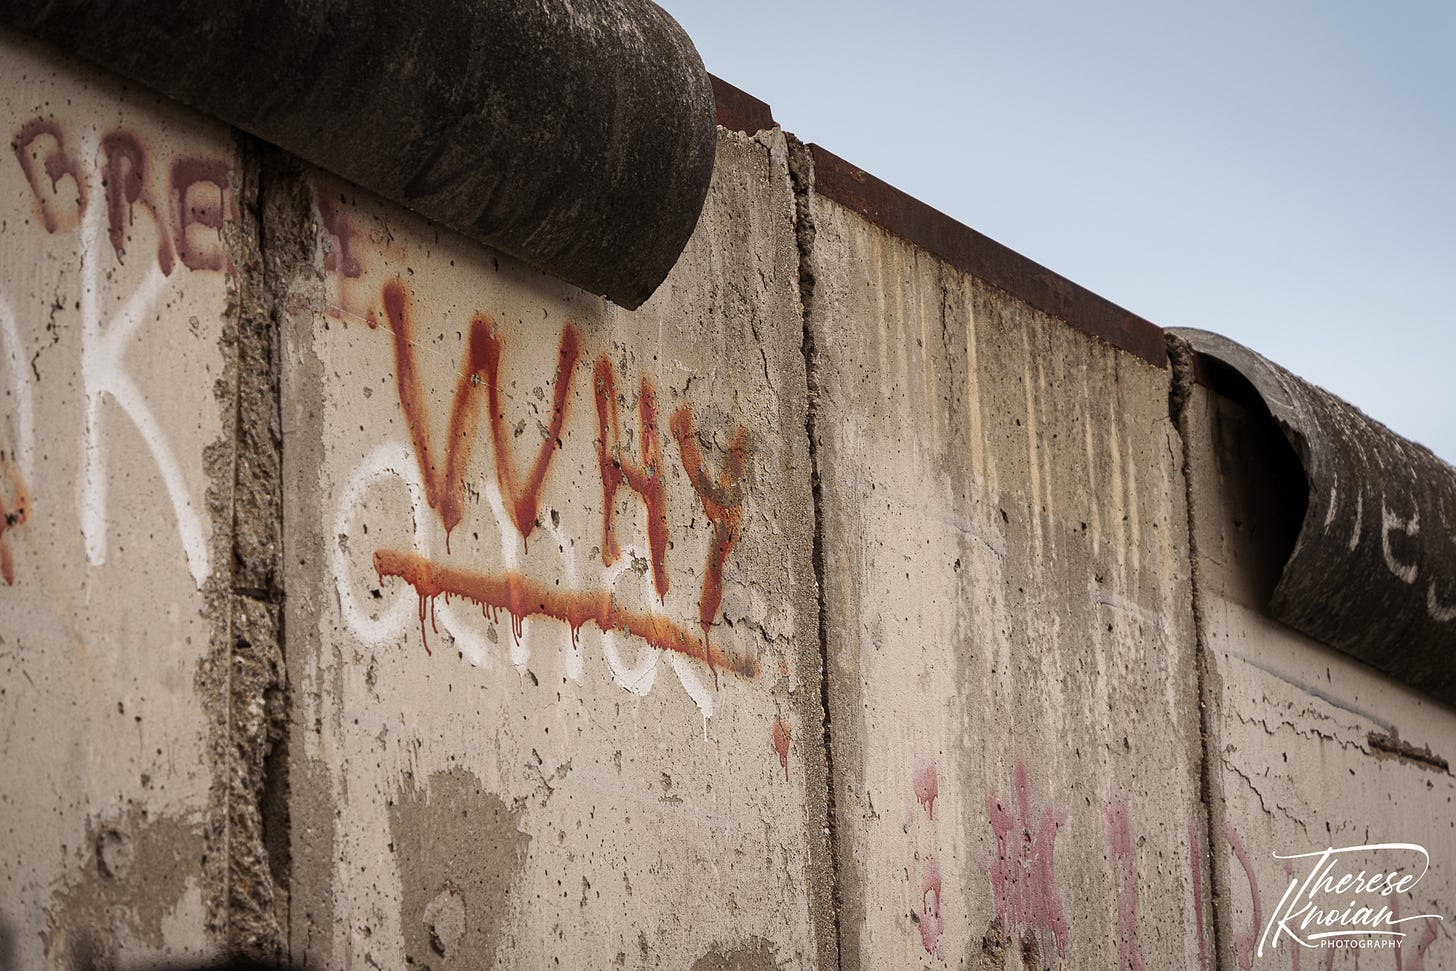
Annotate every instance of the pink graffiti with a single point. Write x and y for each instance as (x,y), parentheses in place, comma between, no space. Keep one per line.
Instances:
(927,786)
(1428,937)
(1195,862)
(1244,941)
(1119,840)
(1023,875)
(932,925)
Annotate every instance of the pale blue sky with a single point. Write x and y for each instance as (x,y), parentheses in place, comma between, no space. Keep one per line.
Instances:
(1280,172)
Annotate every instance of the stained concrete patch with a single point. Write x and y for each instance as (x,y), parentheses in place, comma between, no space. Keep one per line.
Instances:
(311,883)
(459,849)
(137,872)
(756,954)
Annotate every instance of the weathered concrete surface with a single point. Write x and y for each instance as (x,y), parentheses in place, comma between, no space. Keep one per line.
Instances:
(1009,633)
(1308,748)
(490,777)
(117,291)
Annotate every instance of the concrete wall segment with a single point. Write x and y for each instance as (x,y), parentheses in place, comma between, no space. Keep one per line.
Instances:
(645,804)
(121,223)
(1309,748)
(1010,644)
(369,596)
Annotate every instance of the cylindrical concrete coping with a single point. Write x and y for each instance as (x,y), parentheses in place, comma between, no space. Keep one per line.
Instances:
(1373,571)
(578,137)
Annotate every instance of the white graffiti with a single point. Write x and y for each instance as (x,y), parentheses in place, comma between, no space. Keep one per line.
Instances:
(1405,572)
(104,376)
(384,627)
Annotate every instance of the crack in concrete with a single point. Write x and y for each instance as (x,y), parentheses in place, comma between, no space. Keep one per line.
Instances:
(801,177)
(1263,803)
(1180,391)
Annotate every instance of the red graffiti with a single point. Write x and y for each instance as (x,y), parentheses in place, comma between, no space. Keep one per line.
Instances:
(644,479)
(523,597)
(1244,941)
(341,261)
(201,199)
(125,174)
(780,736)
(340,257)
(443,471)
(932,924)
(1023,873)
(444,480)
(1119,840)
(1195,862)
(722,498)
(40,148)
(189,211)
(523,501)
(12,514)
(927,786)
(1429,931)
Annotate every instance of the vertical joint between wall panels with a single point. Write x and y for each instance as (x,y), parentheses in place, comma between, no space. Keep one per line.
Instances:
(267,254)
(1180,394)
(801,176)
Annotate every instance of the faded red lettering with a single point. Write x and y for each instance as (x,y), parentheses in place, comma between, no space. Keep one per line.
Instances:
(644,479)
(125,169)
(1428,936)
(1023,873)
(341,260)
(1119,840)
(200,200)
(1244,941)
(722,498)
(926,783)
(340,257)
(44,168)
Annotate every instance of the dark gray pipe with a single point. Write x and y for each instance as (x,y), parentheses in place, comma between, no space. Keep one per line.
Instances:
(1373,571)
(576,136)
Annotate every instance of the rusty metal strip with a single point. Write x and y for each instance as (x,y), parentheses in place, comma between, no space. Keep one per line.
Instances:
(1373,570)
(984,258)
(740,111)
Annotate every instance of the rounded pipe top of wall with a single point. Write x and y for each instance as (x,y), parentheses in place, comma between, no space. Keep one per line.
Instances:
(577,137)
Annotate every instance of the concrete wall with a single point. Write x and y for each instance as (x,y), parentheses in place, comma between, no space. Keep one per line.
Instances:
(870,598)
(1007,591)
(513,743)
(1311,749)
(118,299)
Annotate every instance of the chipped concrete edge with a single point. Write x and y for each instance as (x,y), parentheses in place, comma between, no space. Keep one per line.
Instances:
(242,678)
